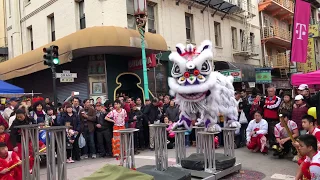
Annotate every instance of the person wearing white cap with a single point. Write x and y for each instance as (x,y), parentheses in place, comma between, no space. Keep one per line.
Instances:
(299,110)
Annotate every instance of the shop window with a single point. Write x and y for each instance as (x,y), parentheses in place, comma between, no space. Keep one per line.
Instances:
(158,79)
(97,76)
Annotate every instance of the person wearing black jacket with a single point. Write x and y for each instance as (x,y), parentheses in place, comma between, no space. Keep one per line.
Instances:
(104,132)
(151,114)
(74,120)
(136,117)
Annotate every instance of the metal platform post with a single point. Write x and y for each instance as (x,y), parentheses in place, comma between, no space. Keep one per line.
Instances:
(180,146)
(228,137)
(160,144)
(127,147)
(56,142)
(30,134)
(209,151)
(199,146)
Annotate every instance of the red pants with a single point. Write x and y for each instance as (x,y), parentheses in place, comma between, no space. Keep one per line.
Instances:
(31,158)
(255,142)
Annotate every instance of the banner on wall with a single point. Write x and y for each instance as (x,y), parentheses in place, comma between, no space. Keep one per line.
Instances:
(263,75)
(136,64)
(310,65)
(314,30)
(236,73)
(300,31)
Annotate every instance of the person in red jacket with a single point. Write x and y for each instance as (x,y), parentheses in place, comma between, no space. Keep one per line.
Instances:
(4,137)
(8,160)
(4,122)
(270,112)
(127,107)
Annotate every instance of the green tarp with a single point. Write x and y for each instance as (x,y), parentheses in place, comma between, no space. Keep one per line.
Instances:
(114,172)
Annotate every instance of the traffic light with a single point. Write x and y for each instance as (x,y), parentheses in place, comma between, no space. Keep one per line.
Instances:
(55,55)
(51,56)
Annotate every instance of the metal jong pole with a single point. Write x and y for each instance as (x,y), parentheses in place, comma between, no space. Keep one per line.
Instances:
(56,141)
(209,151)
(228,134)
(28,136)
(180,146)
(199,146)
(161,151)
(127,147)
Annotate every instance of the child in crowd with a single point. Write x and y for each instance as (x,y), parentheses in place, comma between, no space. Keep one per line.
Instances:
(7,161)
(4,137)
(169,129)
(117,116)
(70,140)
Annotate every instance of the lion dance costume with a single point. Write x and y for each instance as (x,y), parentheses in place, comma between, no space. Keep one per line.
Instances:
(197,88)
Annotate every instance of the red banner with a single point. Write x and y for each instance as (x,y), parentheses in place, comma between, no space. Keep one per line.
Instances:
(136,64)
(300,31)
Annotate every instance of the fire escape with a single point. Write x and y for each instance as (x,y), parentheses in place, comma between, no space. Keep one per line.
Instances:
(239,8)
(248,49)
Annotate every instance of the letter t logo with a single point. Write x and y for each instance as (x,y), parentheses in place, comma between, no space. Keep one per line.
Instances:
(301,30)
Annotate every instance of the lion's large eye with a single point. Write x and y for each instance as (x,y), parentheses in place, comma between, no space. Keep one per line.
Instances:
(205,67)
(176,71)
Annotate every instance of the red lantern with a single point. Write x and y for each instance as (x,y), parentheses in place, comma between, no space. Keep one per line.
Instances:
(140,7)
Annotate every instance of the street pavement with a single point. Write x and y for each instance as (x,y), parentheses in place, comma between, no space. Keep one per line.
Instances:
(271,167)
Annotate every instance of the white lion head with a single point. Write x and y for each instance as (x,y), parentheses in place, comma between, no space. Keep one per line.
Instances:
(191,72)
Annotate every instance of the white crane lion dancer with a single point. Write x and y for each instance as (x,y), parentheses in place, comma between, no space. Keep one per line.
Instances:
(197,88)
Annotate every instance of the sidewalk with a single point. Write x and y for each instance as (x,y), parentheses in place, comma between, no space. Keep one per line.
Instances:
(267,164)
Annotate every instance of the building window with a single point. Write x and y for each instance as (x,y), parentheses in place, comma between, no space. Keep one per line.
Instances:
(30,37)
(151,19)
(189,27)
(131,20)
(234,38)
(52,28)
(217,34)
(9,4)
(12,50)
(82,15)
(252,37)
(242,47)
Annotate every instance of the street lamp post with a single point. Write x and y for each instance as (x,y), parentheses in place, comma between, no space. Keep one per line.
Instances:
(140,12)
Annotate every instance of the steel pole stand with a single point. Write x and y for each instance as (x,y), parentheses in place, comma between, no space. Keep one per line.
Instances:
(160,144)
(228,137)
(199,146)
(209,151)
(180,146)
(56,142)
(30,133)
(127,147)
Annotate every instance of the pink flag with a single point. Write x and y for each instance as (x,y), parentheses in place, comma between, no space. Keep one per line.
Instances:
(300,32)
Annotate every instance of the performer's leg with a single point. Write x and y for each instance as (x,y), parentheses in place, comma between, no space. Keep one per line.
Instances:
(211,123)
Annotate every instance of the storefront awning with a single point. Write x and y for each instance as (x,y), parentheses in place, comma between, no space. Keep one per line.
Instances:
(248,70)
(99,40)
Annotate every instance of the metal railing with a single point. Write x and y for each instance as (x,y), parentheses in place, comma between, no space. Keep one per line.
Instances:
(275,31)
(287,4)
(278,60)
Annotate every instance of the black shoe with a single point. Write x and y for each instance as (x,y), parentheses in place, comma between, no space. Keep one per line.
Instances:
(152,149)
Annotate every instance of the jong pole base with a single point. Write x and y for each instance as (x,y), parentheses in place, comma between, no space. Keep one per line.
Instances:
(172,173)
(225,165)
(196,162)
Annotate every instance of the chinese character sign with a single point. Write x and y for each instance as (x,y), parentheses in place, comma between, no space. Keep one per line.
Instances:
(310,65)
(300,31)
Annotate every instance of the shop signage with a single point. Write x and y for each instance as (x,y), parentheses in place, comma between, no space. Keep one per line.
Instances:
(263,75)
(136,64)
(66,76)
(310,65)
(236,73)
